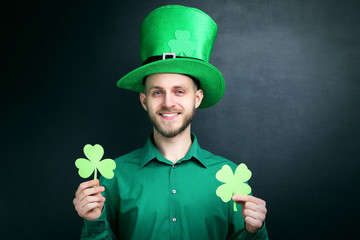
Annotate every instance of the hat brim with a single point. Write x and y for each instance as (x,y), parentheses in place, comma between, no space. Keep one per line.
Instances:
(211,80)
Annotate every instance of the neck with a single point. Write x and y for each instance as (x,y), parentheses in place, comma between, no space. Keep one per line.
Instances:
(174,148)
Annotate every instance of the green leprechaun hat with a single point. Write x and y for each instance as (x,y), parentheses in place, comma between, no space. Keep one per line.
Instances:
(178,39)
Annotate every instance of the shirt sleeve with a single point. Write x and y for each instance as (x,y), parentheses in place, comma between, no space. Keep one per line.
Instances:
(97,229)
(259,235)
(105,226)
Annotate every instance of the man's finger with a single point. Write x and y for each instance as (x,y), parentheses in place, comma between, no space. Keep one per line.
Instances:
(255,215)
(248,198)
(85,185)
(253,225)
(90,199)
(91,191)
(89,207)
(254,207)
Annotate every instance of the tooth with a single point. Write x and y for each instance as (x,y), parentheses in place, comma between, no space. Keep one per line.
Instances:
(169,115)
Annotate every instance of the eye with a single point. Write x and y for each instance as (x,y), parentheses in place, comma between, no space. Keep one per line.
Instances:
(156,93)
(180,92)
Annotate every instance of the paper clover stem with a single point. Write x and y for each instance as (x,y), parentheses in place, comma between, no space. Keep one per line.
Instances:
(235,208)
(95,174)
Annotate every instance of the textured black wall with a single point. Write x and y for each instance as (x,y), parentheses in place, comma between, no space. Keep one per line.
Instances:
(290,109)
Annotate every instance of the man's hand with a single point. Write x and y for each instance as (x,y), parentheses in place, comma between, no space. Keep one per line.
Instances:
(88,200)
(253,211)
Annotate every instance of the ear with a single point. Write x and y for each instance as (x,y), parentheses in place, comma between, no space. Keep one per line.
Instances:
(143,100)
(198,97)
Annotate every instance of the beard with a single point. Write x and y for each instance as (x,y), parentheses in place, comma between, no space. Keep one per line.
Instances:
(170,133)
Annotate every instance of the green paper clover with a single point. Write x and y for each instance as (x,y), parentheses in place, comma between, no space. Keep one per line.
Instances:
(182,44)
(88,166)
(234,183)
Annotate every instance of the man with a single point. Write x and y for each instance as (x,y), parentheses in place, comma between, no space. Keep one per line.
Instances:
(166,190)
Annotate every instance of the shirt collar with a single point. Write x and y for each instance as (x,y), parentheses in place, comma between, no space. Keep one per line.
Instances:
(150,152)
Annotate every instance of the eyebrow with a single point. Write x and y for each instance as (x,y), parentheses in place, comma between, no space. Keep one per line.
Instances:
(175,87)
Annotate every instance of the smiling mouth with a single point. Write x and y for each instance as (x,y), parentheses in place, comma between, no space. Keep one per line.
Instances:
(169,114)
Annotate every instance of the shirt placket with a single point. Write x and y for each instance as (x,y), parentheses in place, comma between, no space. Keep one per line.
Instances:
(175,219)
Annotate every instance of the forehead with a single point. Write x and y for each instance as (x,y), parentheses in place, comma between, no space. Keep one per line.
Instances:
(168,80)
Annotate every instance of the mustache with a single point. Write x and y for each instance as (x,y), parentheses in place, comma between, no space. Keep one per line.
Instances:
(170,110)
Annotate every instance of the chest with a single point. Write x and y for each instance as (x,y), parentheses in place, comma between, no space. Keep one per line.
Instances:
(162,200)
(159,189)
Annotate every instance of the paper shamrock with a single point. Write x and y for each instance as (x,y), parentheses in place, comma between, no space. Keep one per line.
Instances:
(234,183)
(182,44)
(88,166)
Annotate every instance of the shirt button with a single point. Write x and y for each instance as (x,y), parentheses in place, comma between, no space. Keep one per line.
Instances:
(174,219)
(174,166)
(174,191)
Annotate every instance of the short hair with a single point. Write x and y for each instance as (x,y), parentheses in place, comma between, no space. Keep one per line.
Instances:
(195,80)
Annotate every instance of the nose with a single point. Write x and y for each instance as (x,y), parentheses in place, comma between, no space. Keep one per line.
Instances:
(168,101)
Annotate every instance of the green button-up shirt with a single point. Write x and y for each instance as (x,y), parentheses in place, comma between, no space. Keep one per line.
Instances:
(152,198)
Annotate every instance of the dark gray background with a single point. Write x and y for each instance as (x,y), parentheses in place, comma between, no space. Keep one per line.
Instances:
(290,109)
